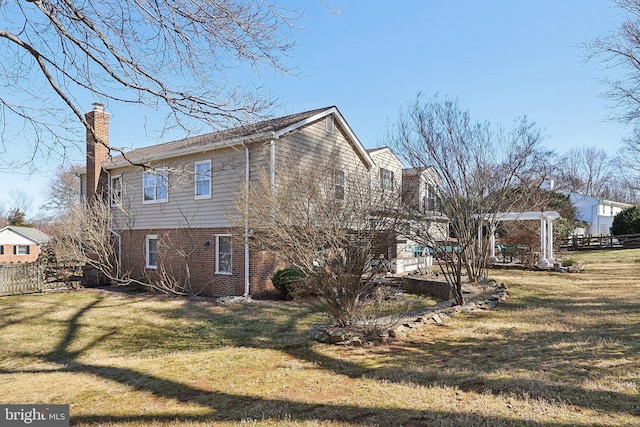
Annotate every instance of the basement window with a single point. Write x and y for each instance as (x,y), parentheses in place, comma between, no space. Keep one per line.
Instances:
(223,254)
(151,254)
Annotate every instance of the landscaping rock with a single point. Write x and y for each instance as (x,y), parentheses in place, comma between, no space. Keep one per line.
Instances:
(356,342)
(319,333)
(412,325)
(437,319)
(437,315)
(384,335)
(337,336)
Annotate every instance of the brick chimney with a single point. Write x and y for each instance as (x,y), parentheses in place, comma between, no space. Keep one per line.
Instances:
(97,152)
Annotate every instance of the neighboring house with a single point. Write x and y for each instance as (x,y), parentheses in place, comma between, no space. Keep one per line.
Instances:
(20,244)
(596,213)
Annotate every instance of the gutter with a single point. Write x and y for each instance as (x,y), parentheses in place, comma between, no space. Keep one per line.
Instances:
(192,150)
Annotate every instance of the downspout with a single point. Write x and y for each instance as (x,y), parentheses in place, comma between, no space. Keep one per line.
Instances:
(113,231)
(246,222)
(119,260)
(272,172)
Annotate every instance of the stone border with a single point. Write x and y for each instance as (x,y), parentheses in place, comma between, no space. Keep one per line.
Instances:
(436,315)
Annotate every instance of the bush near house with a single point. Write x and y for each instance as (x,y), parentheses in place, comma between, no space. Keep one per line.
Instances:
(289,282)
(626,222)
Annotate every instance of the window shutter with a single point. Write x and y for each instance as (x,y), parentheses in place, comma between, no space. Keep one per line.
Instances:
(28,249)
(1,250)
(15,250)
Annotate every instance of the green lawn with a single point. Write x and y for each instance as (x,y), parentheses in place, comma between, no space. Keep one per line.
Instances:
(563,351)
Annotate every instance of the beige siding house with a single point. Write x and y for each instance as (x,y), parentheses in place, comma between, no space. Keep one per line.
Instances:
(387,176)
(184,204)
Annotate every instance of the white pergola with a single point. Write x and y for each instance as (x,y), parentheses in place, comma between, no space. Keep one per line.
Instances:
(546,219)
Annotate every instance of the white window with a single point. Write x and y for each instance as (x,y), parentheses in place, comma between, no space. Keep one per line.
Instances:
(338,184)
(223,254)
(155,186)
(430,199)
(203,179)
(386,179)
(151,254)
(329,124)
(115,190)
(21,250)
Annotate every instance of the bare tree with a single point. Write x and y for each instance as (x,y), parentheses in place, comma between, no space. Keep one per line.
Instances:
(628,161)
(90,234)
(479,168)
(586,170)
(84,234)
(63,191)
(320,219)
(621,49)
(3,216)
(176,57)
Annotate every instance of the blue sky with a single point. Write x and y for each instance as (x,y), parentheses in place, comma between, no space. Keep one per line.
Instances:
(500,59)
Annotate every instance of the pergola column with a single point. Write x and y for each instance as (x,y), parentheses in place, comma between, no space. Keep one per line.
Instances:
(543,263)
(550,257)
(492,244)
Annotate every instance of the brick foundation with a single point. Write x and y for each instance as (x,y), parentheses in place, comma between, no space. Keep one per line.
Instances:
(191,252)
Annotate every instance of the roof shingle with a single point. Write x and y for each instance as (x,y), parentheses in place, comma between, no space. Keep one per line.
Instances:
(207,140)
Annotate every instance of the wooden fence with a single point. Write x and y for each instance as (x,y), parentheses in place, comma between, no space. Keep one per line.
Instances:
(21,279)
(36,277)
(604,241)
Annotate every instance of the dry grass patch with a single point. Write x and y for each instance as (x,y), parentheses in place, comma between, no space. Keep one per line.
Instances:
(563,351)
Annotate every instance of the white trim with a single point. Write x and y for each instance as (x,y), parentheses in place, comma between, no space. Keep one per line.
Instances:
(217,255)
(357,145)
(195,180)
(191,150)
(17,250)
(146,251)
(156,200)
(247,170)
(522,216)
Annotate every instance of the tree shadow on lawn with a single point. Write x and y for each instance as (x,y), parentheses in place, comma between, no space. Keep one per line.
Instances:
(467,364)
(235,407)
(548,365)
